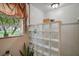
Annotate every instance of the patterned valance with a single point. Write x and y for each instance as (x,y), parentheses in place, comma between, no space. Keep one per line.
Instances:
(14,9)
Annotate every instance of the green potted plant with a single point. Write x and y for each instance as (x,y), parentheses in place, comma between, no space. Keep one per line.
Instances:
(27,51)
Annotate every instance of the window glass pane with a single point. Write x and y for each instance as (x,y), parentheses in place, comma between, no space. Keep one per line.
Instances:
(10,26)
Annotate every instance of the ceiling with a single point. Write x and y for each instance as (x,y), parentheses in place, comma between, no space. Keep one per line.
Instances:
(45,6)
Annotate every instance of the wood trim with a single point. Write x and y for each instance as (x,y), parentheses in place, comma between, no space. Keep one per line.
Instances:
(11,37)
(25,20)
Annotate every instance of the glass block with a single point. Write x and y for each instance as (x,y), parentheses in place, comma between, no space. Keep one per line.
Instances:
(45,42)
(54,35)
(54,53)
(40,48)
(35,53)
(46,34)
(39,35)
(35,40)
(39,40)
(39,54)
(54,44)
(45,27)
(55,27)
(39,27)
(36,34)
(46,51)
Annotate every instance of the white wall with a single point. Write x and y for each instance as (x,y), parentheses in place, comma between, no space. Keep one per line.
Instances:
(70,39)
(67,14)
(69,33)
(13,44)
(36,15)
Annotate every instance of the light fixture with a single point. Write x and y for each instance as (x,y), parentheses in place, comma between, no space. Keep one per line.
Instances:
(54,5)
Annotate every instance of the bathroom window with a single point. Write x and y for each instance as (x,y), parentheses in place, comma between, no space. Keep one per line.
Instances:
(10,26)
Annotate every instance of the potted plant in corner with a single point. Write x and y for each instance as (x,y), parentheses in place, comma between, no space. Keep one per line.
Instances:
(26,51)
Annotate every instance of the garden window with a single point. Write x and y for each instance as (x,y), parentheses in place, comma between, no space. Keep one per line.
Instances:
(10,26)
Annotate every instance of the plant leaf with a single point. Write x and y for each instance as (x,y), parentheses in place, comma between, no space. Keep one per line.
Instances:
(21,53)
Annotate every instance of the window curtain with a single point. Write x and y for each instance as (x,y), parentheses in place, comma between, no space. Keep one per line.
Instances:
(14,9)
